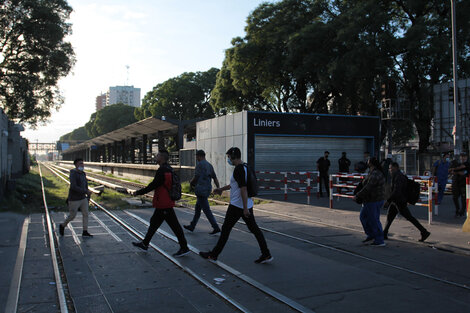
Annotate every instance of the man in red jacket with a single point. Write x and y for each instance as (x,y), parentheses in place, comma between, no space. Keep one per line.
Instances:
(163,205)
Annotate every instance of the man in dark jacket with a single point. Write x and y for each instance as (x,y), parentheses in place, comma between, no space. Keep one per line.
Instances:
(397,202)
(460,171)
(372,196)
(344,163)
(78,197)
(163,205)
(323,165)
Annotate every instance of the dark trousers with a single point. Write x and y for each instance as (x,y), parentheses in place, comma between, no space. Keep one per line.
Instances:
(231,218)
(203,204)
(169,216)
(325,179)
(458,191)
(393,210)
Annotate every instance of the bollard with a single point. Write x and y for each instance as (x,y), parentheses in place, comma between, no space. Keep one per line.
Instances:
(331,191)
(308,187)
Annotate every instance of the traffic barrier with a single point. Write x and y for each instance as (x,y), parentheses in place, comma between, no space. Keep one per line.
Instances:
(311,180)
(349,185)
(427,189)
(426,183)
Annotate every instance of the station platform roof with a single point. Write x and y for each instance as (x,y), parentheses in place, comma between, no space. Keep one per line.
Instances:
(151,125)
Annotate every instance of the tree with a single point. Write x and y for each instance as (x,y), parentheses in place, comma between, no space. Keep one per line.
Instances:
(110,118)
(33,57)
(183,98)
(77,134)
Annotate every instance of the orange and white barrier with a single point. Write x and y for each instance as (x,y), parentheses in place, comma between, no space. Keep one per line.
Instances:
(309,178)
(426,193)
(344,188)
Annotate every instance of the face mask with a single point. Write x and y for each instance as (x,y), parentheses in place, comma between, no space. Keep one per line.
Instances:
(447,159)
(81,168)
(229,161)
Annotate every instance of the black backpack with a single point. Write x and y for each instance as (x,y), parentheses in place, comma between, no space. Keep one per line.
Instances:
(413,189)
(175,191)
(251,181)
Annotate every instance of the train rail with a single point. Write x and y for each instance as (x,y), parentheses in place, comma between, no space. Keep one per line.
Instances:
(276,296)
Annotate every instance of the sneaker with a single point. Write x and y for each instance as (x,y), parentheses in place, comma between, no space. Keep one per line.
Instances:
(181,252)
(208,255)
(376,244)
(214,232)
(424,236)
(189,227)
(61,229)
(86,234)
(368,239)
(264,259)
(141,245)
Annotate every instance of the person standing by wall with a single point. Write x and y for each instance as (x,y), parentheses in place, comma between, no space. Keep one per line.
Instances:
(441,170)
(163,205)
(323,165)
(344,163)
(78,197)
(241,206)
(460,171)
(202,181)
(372,196)
(396,202)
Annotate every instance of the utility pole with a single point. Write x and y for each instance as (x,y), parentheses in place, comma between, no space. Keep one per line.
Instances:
(457,129)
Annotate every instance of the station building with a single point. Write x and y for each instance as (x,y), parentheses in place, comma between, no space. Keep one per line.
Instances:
(286,141)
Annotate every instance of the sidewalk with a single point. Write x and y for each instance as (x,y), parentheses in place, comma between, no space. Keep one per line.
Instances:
(446,230)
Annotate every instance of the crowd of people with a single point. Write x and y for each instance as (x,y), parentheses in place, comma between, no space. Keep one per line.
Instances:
(384,186)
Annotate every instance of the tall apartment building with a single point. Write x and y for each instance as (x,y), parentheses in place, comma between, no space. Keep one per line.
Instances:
(123,94)
(100,102)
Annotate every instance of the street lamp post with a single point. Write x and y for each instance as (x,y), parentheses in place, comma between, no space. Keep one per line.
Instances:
(456,131)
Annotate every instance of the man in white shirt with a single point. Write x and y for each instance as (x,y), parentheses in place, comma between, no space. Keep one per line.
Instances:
(240,206)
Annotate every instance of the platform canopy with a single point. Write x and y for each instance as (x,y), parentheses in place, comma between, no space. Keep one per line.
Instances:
(151,125)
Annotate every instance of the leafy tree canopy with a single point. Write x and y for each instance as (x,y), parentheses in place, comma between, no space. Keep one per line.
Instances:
(33,57)
(110,118)
(77,134)
(332,56)
(184,97)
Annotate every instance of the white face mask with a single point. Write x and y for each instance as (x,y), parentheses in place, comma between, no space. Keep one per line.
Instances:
(81,168)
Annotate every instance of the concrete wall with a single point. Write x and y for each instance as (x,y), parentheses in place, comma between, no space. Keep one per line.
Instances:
(217,135)
(14,157)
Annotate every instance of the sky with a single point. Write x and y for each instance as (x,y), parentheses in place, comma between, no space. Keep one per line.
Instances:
(157,39)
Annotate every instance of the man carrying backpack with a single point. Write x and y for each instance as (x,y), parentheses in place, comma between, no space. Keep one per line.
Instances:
(163,204)
(397,202)
(202,182)
(241,205)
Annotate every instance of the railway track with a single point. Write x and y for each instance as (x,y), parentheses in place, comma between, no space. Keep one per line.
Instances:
(231,273)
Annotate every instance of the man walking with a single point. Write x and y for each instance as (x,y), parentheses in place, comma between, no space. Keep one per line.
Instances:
(163,205)
(372,196)
(202,181)
(441,170)
(344,163)
(240,206)
(323,165)
(397,202)
(459,173)
(78,197)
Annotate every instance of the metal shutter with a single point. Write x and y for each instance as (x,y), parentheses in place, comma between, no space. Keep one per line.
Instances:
(292,153)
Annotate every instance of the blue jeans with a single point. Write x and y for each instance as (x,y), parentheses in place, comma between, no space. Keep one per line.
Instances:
(370,219)
(441,188)
(203,203)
